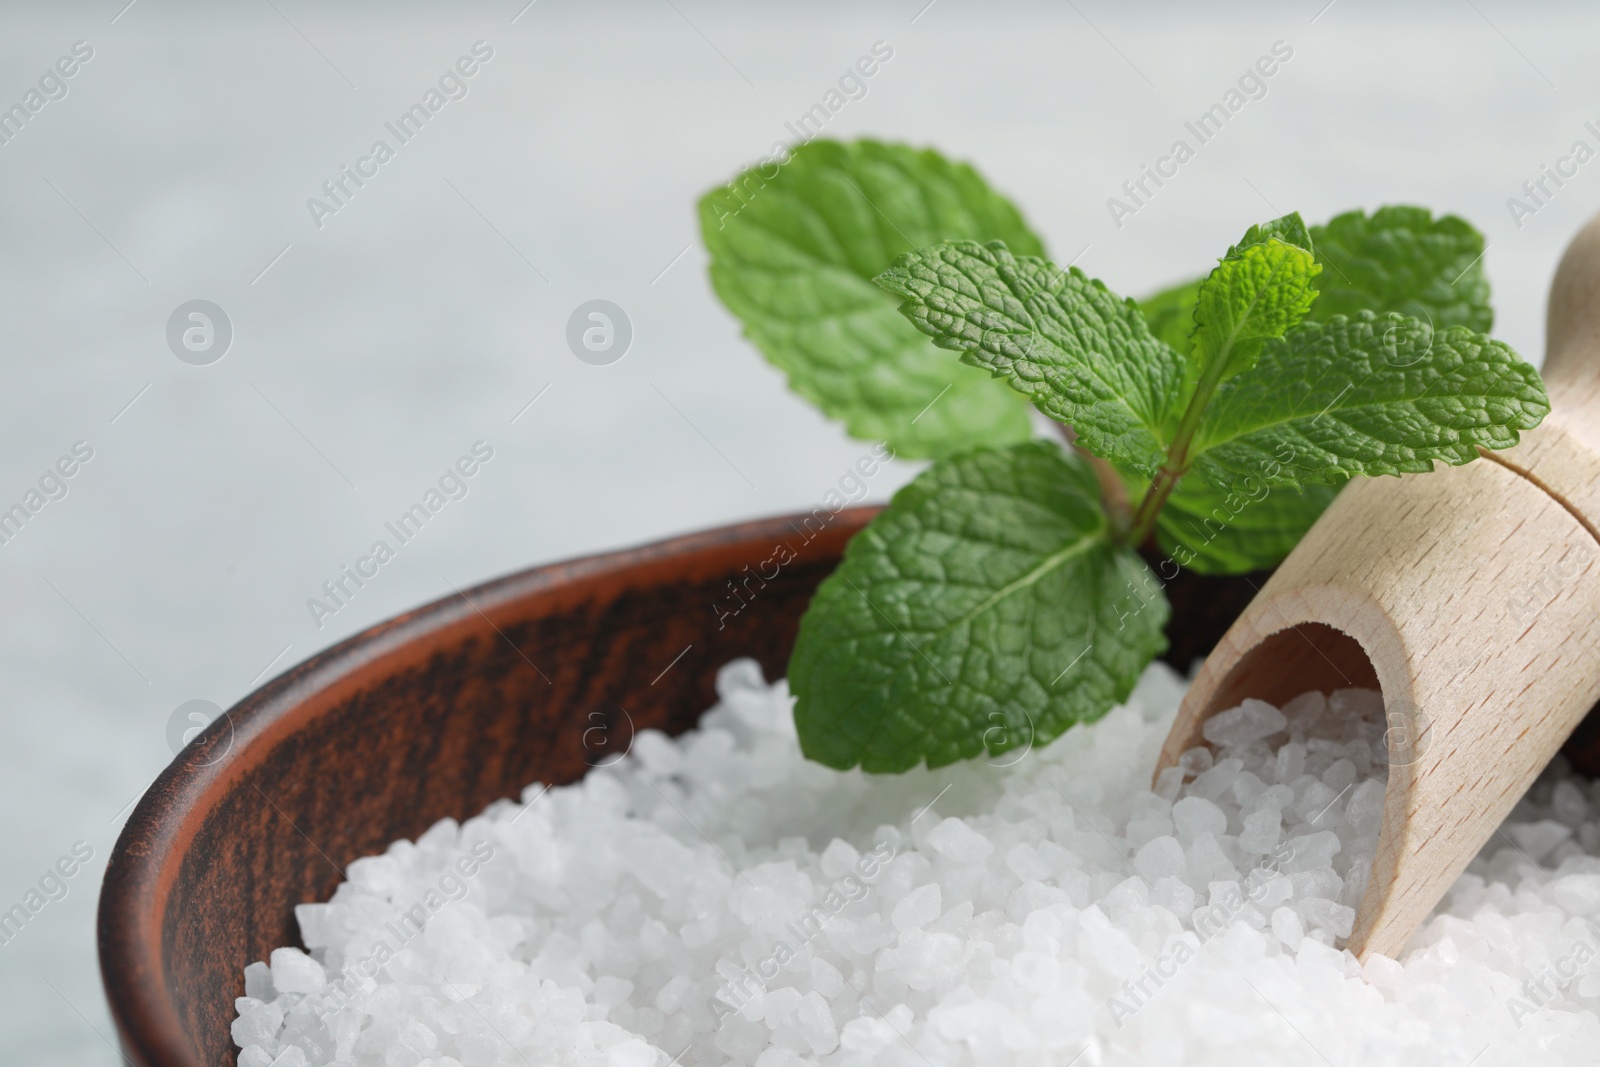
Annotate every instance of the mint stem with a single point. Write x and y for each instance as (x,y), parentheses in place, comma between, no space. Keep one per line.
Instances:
(1177,457)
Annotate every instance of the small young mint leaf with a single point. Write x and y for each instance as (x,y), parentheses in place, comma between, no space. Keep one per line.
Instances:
(1366,395)
(1083,355)
(1399,259)
(983,610)
(1259,291)
(794,247)
(1290,229)
(1247,526)
(1403,259)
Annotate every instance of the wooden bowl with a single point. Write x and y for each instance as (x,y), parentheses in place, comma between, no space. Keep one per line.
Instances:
(436,713)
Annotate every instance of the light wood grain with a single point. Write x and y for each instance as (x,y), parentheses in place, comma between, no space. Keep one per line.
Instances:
(1471,597)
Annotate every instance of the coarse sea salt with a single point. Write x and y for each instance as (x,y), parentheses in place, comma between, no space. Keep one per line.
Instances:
(716,899)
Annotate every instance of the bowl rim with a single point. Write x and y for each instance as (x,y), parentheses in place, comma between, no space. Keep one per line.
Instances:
(144,862)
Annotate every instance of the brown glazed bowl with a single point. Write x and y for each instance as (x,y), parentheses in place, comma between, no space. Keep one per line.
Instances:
(436,713)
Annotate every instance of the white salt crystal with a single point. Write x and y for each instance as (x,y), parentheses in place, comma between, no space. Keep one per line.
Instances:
(741,676)
(1267,891)
(1311,851)
(1250,721)
(258,981)
(257,1023)
(1287,928)
(1147,806)
(1316,800)
(313,921)
(417,1038)
(1290,762)
(918,908)
(780,1005)
(254,1056)
(780,1056)
(657,753)
(1127,896)
(928,960)
(1208,863)
(1304,711)
(1224,892)
(1568,804)
(630,1053)
(1383,972)
(838,858)
(1246,788)
(815,1023)
(1538,839)
(1356,879)
(1276,797)
(1160,859)
(1158,691)
(1365,810)
(1356,704)
(1175,895)
(1318,882)
(1335,918)
(673,993)
(869,1036)
(379,875)
(609,990)
(825,978)
(701,932)
(1340,776)
(1262,830)
(954,838)
(1577,894)
(293,1056)
(1193,816)
(1024,861)
(1213,783)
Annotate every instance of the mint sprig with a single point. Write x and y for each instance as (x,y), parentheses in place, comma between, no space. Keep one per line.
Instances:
(1001,597)
(1257,292)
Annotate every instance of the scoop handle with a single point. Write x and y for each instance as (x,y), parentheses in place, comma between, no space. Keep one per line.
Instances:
(1562,456)
(1572,326)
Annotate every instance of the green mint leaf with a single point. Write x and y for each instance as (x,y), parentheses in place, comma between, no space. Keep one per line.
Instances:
(1083,355)
(1170,313)
(793,250)
(1258,292)
(985,609)
(1403,259)
(1366,395)
(1248,526)
(1290,229)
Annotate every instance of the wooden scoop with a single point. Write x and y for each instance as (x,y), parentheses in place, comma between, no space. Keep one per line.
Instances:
(1471,597)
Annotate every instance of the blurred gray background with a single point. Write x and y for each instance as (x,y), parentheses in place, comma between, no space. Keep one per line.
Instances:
(369,353)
